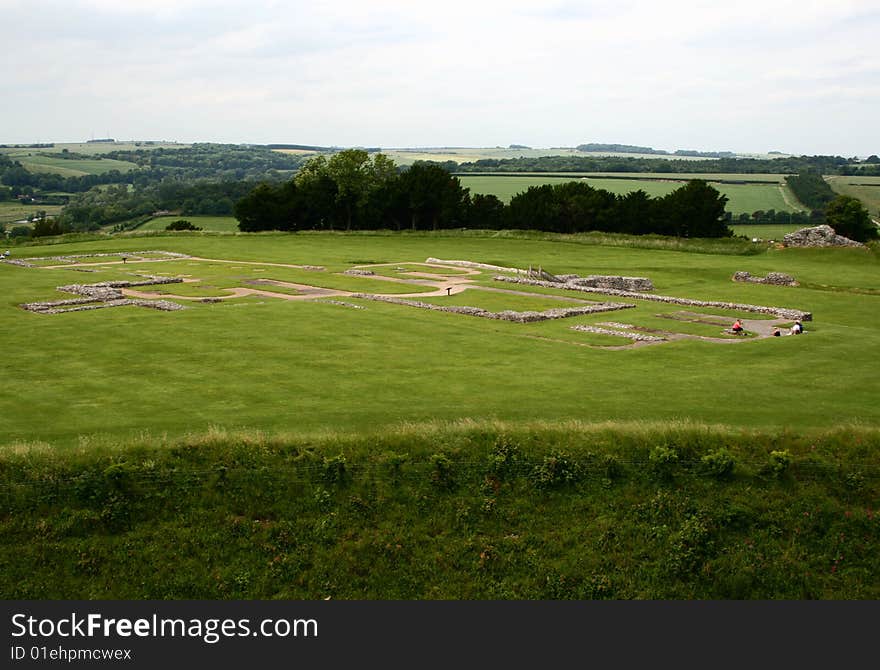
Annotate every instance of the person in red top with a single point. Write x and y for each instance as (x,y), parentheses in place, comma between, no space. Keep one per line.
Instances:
(737,327)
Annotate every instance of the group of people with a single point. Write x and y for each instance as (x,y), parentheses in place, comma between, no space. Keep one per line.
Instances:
(796,329)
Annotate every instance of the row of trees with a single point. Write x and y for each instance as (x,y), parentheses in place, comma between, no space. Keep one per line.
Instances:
(218,162)
(112,204)
(811,189)
(569,163)
(354,190)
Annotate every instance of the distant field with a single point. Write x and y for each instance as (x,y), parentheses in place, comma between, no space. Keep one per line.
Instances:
(866,189)
(662,176)
(765,231)
(96,148)
(741,197)
(469,154)
(215,224)
(10,212)
(49,159)
(72,167)
(296,152)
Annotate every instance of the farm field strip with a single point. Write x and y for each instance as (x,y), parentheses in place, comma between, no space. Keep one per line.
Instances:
(742,197)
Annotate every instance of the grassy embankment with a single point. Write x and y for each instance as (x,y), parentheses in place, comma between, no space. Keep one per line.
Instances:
(469,511)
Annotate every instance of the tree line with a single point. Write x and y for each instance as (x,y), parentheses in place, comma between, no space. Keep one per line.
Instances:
(568,163)
(811,189)
(353,190)
(219,162)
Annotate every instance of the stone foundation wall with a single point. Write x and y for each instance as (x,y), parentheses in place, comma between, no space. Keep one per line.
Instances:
(84,304)
(506,315)
(613,282)
(781,312)
(101,295)
(71,258)
(478,266)
(635,337)
(773,278)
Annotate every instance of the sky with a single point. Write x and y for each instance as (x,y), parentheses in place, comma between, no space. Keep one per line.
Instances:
(798,76)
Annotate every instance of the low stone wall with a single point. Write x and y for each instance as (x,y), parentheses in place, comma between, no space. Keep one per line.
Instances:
(343,304)
(773,278)
(103,294)
(506,315)
(478,266)
(818,236)
(359,273)
(635,337)
(85,304)
(613,282)
(781,312)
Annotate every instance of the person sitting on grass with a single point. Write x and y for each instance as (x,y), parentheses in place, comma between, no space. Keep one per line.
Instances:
(776,333)
(737,328)
(797,328)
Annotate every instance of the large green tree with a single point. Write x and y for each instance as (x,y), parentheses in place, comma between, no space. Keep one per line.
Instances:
(694,210)
(433,198)
(356,176)
(849,218)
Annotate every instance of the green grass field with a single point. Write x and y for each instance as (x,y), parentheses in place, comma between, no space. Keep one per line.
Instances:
(764,231)
(10,212)
(308,366)
(741,197)
(302,449)
(866,189)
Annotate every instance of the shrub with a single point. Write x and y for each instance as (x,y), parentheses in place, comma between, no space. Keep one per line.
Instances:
(441,472)
(555,471)
(690,546)
(334,470)
(181,224)
(718,464)
(505,459)
(779,464)
(662,460)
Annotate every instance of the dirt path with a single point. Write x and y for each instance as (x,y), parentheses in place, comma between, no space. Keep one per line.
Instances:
(789,199)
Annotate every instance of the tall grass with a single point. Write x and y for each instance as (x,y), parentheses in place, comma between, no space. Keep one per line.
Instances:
(668,510)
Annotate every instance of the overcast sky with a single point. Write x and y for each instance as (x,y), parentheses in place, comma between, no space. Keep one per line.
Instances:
(797,76)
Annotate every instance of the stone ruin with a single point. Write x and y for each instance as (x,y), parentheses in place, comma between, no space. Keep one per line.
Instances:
(780,312)
(359,273)
(611,281)
(614,331)
(506,315)
(74,258)
(818,236)
(104,294)
(773,278)
(476,266)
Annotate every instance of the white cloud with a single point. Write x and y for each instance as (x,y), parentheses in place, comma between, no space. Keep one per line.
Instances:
(680,74)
